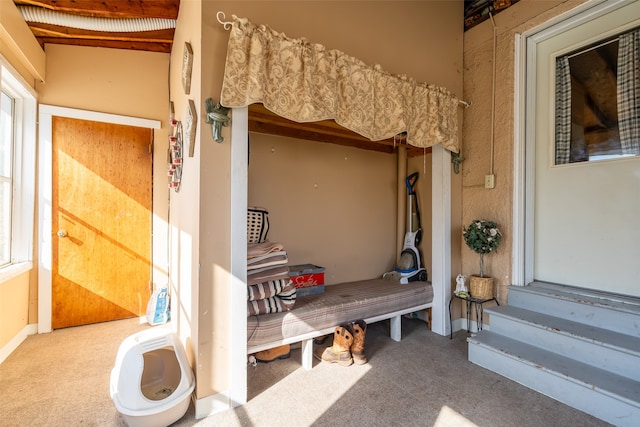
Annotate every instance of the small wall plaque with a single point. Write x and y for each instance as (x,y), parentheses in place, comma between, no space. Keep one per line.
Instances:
(191,124)
(187,64)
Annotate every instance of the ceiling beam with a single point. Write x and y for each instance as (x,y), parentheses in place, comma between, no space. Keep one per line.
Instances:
(156,36)
(112,44)
(264,121)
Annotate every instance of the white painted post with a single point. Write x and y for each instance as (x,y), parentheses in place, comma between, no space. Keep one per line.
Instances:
(239,182)
(441,239)
(307,354)
(396,328)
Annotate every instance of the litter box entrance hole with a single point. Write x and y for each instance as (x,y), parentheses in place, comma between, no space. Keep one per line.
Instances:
(161,374)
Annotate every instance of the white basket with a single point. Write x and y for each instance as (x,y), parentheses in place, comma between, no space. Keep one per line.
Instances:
(257,224)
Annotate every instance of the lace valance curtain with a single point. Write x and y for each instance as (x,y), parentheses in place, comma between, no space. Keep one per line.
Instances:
(305,82)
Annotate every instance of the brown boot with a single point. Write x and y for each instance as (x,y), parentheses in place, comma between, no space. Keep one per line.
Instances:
(339,352)
(266,356)
(357,349)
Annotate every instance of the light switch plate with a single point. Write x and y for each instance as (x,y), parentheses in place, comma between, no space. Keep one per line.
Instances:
(489,181)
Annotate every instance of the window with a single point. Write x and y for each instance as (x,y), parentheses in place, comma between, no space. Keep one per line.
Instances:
(7,124)
(597,112)
(17,170)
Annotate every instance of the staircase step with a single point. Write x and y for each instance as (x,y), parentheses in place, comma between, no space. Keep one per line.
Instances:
(604,349)
(628,300)
(608,396)
(619,313)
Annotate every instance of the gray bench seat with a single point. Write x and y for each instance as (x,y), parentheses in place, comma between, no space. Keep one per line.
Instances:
(315,315)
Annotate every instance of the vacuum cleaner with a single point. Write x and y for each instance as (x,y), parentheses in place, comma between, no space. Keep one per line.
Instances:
(409,267)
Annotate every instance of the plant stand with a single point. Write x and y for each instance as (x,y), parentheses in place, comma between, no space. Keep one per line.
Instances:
(478,302)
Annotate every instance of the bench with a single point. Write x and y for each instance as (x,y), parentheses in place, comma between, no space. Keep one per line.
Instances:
(316,315)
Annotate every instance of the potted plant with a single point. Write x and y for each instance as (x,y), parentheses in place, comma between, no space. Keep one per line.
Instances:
(483,237)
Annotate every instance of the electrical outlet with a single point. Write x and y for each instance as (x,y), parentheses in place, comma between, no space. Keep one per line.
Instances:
(489,181)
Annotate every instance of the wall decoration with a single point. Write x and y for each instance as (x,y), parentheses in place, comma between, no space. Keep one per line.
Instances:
(174,153)
(217,116)
(191,124)
(175,159)
(187,64)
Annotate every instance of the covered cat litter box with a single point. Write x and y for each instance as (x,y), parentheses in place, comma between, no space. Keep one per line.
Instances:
(152,382)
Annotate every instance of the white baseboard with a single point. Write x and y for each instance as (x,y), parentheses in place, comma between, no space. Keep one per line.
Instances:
(213,404)
(10,347)
(461,325)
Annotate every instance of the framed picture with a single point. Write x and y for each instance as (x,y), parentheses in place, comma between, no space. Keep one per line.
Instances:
(191,124)
(187,64)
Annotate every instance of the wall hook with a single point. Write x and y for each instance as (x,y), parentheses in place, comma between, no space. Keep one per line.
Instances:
(456,159)
(217,116)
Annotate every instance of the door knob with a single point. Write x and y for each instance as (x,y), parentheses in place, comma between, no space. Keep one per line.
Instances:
(62,233)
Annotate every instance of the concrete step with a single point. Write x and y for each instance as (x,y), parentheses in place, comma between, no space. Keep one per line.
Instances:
(618,313)
(605,395)
(608,350)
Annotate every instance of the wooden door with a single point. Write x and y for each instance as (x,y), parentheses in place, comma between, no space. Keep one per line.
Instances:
(101,221)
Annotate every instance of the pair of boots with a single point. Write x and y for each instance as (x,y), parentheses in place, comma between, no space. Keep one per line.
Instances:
(348,345)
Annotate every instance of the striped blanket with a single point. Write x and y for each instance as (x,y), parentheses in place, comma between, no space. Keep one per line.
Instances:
(274,296)
(269,288)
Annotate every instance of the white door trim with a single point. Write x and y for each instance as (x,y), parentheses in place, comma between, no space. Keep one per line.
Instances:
(46,112)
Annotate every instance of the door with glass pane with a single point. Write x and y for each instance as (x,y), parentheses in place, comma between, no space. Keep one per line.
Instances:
(587,167)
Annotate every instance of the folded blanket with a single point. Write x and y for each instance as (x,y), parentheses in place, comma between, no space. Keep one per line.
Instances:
(268,260)
(283,301)
(265,274)
(259,249)
(266,289)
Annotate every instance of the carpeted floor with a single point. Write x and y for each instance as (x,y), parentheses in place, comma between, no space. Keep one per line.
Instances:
(62,379)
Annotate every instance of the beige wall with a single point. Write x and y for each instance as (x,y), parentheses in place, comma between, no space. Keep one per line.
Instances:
(329,205)
(117,81)
(185,204)
(14,307)
(497,203)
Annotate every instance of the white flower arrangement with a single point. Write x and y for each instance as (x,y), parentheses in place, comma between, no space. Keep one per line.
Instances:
(483,237)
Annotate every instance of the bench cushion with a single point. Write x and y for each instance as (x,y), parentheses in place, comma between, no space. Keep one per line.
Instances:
(340,303)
